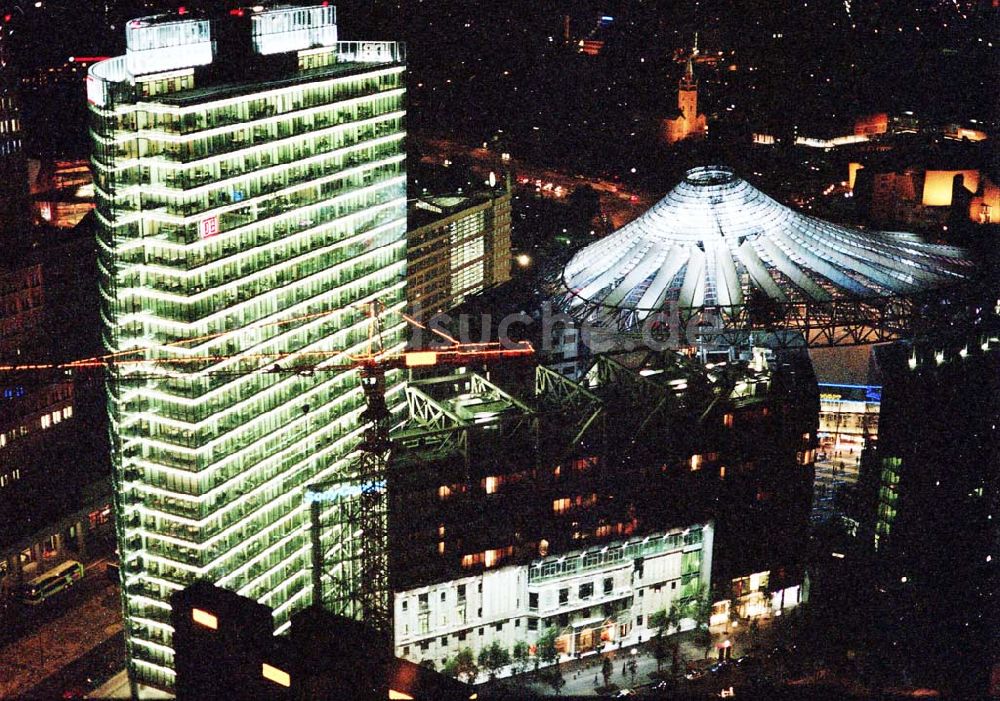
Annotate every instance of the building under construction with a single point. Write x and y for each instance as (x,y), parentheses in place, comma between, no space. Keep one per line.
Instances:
(539,502)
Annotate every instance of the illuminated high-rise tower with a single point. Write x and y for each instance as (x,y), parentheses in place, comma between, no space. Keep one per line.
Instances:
(250,181)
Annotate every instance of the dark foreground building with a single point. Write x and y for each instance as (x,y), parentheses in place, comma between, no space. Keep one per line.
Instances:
(225,648)
(933,488)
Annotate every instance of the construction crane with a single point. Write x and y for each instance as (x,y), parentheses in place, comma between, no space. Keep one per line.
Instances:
(365,592)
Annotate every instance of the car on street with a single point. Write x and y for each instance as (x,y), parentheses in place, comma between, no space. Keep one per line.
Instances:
(721,667)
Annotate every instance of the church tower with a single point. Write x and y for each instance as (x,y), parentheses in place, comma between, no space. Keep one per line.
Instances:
(686,123)
(687,94)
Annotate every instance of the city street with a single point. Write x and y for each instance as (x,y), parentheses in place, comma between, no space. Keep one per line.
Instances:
(618,204)
(47,638)
(583,677)
(833,471)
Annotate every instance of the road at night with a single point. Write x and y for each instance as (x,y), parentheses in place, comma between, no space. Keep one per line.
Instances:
(618,204)
(55,636)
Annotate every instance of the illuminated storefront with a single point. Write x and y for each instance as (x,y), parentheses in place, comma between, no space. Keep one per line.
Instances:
(756,596)
(238,217)
(848,417)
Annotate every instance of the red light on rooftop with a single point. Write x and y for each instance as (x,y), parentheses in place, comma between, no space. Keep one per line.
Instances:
(236,12)
(6,18)
(182,10)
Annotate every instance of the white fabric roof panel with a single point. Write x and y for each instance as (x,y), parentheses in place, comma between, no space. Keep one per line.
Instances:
(734,240)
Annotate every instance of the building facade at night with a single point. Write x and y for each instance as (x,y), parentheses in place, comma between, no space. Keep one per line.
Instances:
(22,311)
(457,246)
(595,597)
(848,416)
(932,488)
(251,199)
(14,185)
(534,509)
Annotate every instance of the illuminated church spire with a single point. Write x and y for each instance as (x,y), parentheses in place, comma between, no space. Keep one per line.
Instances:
(687,123)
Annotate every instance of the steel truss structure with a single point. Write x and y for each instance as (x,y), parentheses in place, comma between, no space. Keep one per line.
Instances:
(841,322)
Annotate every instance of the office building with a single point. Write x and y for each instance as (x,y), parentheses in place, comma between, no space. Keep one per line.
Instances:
(251,199)
(457,246)
(524,505)
(932,487)
(22,314)
(14,232)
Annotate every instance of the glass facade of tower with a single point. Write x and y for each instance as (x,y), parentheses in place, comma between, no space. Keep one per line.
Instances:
(239,220)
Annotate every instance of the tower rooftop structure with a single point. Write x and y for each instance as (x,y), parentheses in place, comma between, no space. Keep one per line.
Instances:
(716,244)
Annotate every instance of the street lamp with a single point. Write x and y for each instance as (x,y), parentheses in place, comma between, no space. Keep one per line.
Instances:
(633,663)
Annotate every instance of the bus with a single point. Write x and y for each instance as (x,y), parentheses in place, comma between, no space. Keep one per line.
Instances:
(51,583)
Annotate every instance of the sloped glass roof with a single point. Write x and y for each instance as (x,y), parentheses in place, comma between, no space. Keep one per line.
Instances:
(715,240)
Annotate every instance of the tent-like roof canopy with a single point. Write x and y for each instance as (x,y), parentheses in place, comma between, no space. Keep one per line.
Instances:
(715,241)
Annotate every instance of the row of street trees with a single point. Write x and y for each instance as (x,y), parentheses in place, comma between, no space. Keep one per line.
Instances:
(698,608)
(467,667)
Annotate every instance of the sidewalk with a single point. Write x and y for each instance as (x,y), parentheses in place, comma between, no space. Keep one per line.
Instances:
(583,676)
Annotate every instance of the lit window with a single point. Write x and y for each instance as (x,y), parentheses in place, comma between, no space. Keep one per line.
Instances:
(492,557)
(444,491)
(204,618)
(727,420)
(490,484)
(67,412)
(276,675)
(56,417)
(560,505)
(722,472)
(46,421)
(696,461)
